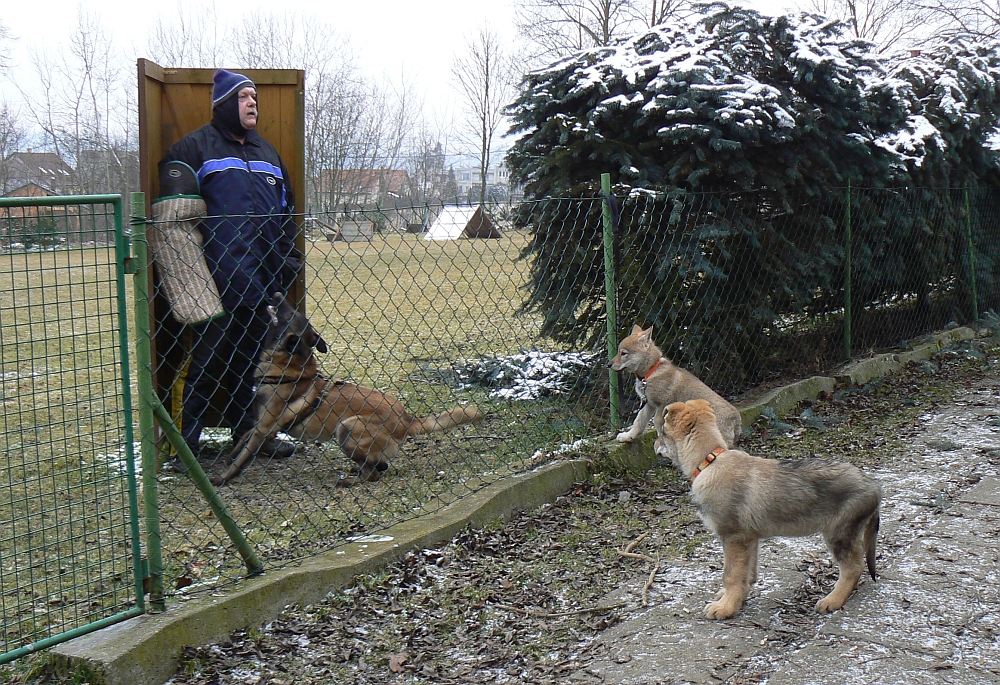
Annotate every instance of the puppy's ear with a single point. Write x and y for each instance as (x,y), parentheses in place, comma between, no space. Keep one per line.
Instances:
(671,412)
(636,329)
(646,336)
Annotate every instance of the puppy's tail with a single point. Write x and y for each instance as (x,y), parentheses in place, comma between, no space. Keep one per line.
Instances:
(445,420)
(871,532)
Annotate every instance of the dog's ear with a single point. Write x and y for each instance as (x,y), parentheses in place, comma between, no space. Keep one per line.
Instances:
(636,329)
(645,336)
(671,412)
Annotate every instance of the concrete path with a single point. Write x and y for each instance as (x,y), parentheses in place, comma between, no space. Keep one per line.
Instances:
(932,617)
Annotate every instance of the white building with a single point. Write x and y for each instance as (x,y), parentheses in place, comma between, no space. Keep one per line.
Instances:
(498,184)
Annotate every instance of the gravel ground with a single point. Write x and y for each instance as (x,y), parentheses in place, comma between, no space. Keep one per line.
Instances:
(524,601)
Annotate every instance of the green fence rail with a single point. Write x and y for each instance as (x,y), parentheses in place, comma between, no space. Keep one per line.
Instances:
(70,554)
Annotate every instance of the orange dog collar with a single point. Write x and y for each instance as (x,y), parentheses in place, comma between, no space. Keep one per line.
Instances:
(708,460)
(650,372)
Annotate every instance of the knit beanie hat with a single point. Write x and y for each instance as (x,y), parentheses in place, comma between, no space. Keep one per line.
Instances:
(227,83)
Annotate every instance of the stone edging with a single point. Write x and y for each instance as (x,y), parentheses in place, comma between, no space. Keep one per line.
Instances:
(856,372)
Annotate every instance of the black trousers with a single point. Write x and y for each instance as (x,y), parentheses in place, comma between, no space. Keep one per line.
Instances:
(224,354)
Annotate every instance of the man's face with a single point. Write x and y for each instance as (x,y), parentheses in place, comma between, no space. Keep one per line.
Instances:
(248,107)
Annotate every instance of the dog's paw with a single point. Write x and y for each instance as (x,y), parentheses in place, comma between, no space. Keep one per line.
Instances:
(721,609)
(827,605)
(720,594)
(627,436)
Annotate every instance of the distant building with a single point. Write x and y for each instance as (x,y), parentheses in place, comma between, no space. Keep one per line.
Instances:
(365,187)
(42,227)
(46,170)
(29,190)
(498,184)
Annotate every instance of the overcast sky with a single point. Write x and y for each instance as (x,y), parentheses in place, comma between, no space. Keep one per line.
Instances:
(414,38)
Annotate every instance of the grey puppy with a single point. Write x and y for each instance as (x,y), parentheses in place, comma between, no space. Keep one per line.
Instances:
(658,382)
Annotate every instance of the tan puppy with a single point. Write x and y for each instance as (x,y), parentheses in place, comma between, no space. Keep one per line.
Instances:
(293,397)
(658,382)
(743,499)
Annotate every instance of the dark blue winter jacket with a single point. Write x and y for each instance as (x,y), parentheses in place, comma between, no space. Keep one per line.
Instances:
(249,231)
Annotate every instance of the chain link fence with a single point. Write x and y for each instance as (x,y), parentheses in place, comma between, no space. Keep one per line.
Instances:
(69,535)
(423,303)
(745,291)
(503,307)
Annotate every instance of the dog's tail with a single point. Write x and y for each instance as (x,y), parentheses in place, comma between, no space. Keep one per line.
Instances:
(445,420)
(871,532)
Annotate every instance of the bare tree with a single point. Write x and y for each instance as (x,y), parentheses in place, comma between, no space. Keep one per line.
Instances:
(426,162)
(5,41)
(883,22)
(979,18)
(193,38)
(556,28)
(646,15)
(484,74)
(12,138)
(82,109)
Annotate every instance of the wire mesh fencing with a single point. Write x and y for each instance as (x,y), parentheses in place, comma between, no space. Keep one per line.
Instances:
(69,535)
(501,310)
(423,304)
(744,290)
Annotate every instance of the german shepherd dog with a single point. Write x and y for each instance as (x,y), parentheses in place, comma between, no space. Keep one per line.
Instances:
(294,398)
(743,499)
(658,382)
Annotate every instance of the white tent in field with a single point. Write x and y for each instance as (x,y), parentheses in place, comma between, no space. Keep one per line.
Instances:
(456,221)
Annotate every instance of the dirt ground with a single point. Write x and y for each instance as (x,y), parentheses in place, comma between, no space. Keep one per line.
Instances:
(527,601)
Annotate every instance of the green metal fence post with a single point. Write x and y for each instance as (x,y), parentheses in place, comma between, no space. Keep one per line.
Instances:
(847,273)
(611,299)
(972,259)
(151,403)
(143,356)
(124,253)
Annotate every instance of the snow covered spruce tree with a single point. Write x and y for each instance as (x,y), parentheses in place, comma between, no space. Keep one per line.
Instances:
(950,141)
(734,137)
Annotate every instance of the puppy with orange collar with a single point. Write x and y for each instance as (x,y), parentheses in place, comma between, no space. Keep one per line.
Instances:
(743,499)
(658,382)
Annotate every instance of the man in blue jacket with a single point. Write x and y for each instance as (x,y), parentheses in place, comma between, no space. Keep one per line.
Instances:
(248,239)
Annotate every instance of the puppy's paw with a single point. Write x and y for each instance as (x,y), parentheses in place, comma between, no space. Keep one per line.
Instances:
(827,605)
(720,594)
(721,609)
(627,436)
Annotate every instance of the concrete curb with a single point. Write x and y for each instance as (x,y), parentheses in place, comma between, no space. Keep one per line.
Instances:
(145,650)
(858,372)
